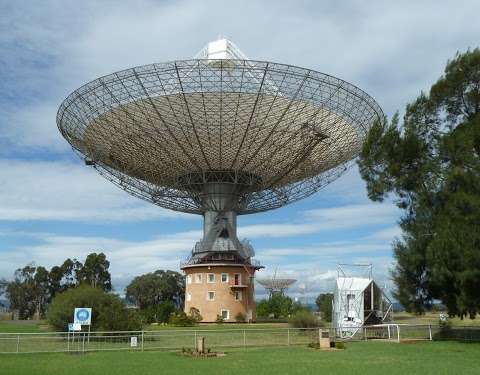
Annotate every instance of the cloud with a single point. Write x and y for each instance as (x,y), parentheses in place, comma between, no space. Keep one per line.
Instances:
(327,219)
(354,215)
(45,190)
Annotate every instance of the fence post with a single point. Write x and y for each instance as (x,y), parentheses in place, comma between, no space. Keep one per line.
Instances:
(195,341)
(18,343)
(288,336)
(365,333)
(244,339)
(143,339)
(430,331)
(83,342)
(398,333)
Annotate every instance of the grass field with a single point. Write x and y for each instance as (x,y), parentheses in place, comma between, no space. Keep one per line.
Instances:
(25,326)
(359,358)
(432,318)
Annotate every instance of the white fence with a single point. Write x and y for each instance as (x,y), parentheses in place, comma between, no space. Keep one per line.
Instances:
(174,339)
(153,340)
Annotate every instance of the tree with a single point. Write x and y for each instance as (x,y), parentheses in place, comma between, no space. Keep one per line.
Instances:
(28,292)
(154,288)
(3,286)
(278,306)
(324,304)
(304,319)
(94,272)
(108,310)
(430,163)
(64,276)
(33,287)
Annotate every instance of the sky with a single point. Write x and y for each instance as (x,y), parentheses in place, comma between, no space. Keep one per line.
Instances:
(53,207)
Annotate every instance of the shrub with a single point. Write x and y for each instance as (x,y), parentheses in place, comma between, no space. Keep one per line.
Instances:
(158,313)
(195,314)
(240,318)
(181,319)
(219,319)
(108,311)
(304,319)
(278,306)
(340,345)
(324,303)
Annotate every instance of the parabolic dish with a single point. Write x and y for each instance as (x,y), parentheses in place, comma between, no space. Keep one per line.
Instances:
(163,132)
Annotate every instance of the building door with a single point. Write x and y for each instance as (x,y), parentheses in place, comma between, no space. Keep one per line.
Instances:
(351,306)
(237,279)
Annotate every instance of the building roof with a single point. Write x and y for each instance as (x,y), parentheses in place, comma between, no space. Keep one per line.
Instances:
(353,283)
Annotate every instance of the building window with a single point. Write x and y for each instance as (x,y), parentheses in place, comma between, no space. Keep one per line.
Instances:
(238,279)
(198,278)
(211,277)
(210,296)
(224,277)
(225,314)
(189,279)
(238,295)
(189,297)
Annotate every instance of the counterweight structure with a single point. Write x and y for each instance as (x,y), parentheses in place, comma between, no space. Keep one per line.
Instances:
(219,136)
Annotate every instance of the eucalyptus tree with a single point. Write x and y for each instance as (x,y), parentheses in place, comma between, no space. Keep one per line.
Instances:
(429,162)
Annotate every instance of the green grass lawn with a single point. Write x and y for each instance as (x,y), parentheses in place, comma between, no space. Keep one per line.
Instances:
(24,326)
(433,318)
(359,358)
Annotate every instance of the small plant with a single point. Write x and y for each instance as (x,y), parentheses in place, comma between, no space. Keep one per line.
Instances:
(240,318)
(305,319)
(180,319)
(195,314)
(340,345)
(219,319)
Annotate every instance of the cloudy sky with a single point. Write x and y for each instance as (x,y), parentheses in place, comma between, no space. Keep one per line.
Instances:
(53,207)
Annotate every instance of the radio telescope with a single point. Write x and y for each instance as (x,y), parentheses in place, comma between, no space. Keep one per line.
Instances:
(276,285)
(219,136)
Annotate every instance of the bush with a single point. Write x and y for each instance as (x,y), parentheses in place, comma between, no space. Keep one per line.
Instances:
(278,306)
(240,318)
(195,314)
(219,319)
(324,304)
(181,319)
(305,319)
(108,311)
(157,314)
(340,345)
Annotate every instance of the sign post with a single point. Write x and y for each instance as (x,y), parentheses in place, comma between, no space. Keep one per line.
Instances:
(83,317)
(72,328)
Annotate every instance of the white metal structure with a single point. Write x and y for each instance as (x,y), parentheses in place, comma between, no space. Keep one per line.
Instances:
(358,301)
(221,49)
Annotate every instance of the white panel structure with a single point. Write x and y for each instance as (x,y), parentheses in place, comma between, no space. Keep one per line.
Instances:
(358,301)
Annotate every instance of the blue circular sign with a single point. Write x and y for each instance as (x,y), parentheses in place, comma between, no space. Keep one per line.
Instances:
(83,315)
